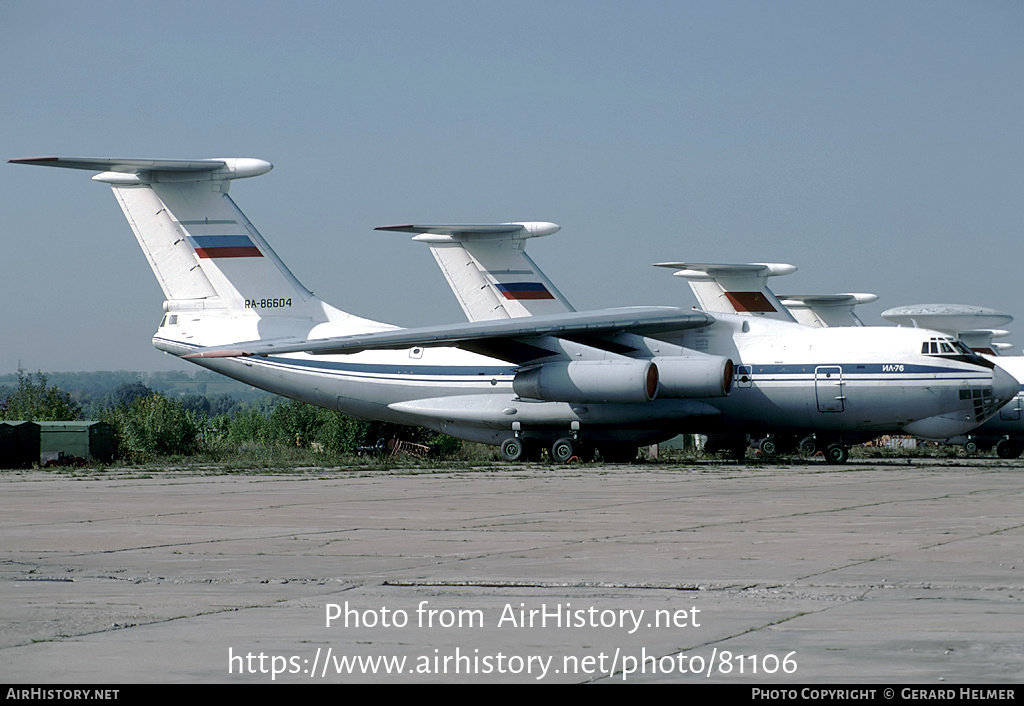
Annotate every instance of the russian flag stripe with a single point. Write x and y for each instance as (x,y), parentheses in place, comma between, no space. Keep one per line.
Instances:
(750,301)
(524,290)
(218,246)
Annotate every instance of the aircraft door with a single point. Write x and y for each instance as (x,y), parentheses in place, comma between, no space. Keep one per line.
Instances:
(828,388)
(743,376)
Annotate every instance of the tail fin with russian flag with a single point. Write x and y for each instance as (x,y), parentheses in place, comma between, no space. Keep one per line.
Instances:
(488,269)
(734,288)
(201,247)
(209,259)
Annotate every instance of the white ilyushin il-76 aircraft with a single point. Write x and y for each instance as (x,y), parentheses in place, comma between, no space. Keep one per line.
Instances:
(973,326)
(480,263)
(957,327)
(612,379)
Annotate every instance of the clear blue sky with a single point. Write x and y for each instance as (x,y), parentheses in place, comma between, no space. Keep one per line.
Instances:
(876,145)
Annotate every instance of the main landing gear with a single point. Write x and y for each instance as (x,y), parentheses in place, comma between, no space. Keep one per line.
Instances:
(521,448)
(837,454)
(833,449)
(1009,448)
(564,449)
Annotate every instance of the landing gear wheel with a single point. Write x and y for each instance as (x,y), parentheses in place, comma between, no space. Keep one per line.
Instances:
(768,447)
(562,450)
(1008,449)
(808,446)
(512,449)
(970,448)
(837,454)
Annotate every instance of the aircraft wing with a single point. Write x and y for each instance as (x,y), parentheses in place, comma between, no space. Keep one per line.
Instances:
(514,340)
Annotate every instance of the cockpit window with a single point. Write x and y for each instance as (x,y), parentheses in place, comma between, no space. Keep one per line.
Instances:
(939,346)
(962,347)
(952,348)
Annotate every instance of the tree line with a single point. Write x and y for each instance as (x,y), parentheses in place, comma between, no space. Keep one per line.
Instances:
(148,424)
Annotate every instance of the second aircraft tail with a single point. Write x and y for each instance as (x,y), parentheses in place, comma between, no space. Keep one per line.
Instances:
(487,267)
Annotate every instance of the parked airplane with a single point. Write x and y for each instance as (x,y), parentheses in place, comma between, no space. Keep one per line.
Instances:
(1005,430)
(613,378)
(485,263)
(961,327)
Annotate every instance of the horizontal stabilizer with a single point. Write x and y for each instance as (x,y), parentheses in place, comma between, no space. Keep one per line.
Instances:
(525,229)
(154,170)
(830,299)
(692,270)
(980,340)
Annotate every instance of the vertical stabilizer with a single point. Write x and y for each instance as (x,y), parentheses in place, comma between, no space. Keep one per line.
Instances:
(488,269)
(206,255)
(202,247)
(734,288)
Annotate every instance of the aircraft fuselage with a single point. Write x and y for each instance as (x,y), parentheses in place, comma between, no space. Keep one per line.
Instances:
(788,378)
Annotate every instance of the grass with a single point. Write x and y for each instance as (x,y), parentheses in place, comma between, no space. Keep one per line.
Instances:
(252,458)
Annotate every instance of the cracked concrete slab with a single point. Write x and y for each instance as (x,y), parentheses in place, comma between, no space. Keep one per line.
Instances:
(769,574)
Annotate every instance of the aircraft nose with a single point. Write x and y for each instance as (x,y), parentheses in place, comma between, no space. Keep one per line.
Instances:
(945,426)
(1004,386)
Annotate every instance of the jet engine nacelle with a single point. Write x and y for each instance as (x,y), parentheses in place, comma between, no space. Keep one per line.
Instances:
(590,381)
(694,376)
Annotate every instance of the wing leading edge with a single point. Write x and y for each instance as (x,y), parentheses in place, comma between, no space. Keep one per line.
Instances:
(507,339)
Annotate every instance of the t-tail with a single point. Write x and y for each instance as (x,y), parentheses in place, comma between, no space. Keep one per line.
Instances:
(734,288)
(221,280)
(487,267)
(827,310)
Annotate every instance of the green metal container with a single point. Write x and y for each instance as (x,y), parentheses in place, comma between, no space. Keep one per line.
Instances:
(19,444)
(90,440)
